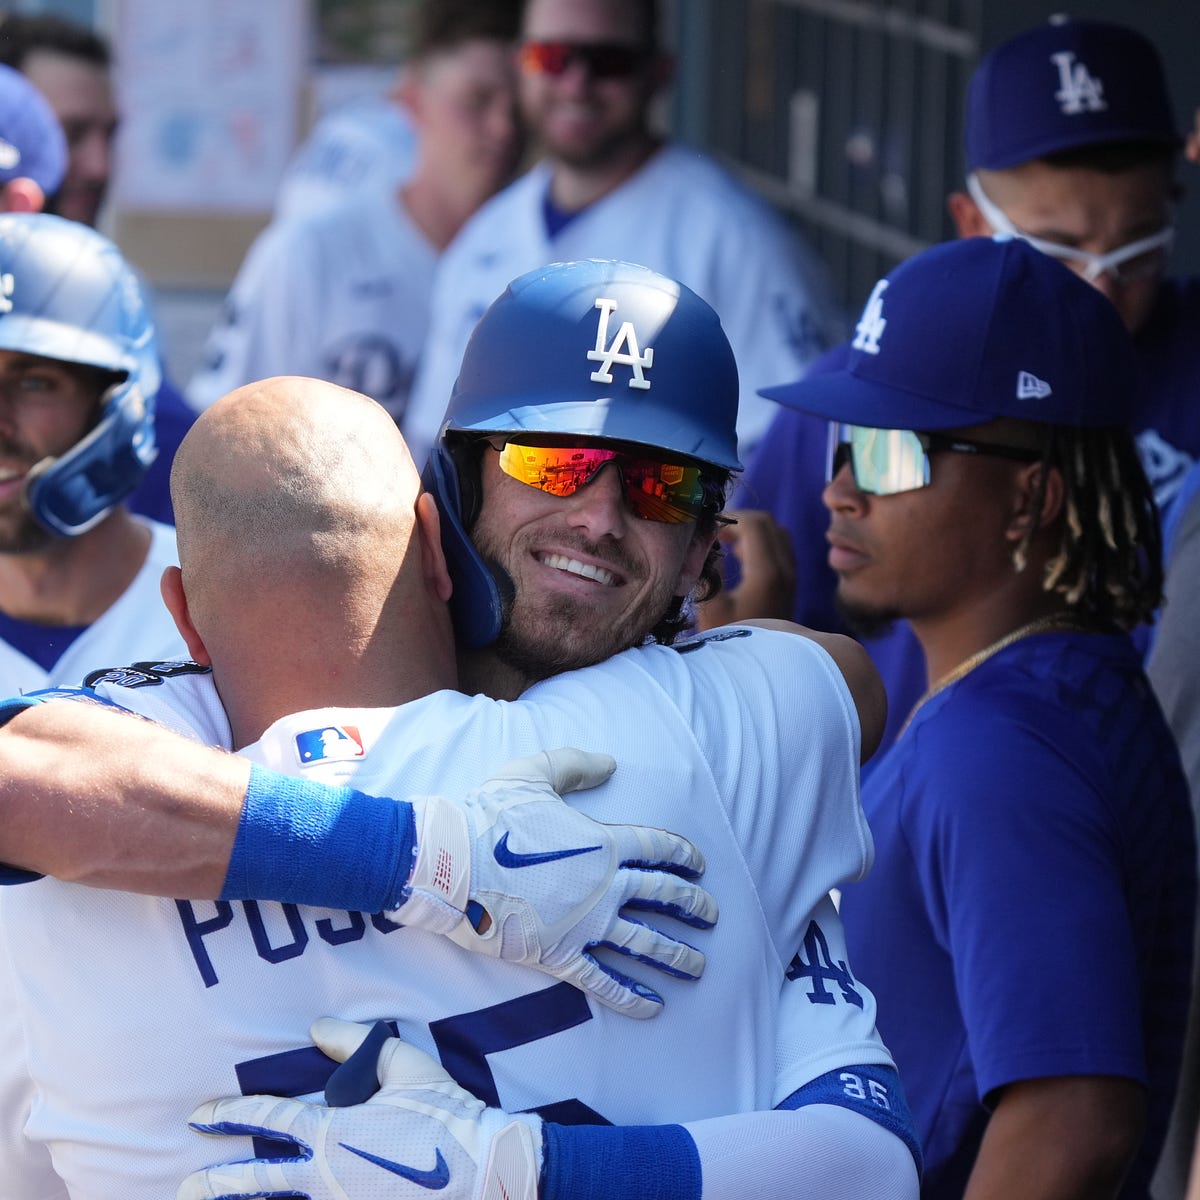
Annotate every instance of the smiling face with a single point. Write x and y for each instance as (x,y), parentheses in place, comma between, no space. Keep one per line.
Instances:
(46,406)
(580,118)
(590,578)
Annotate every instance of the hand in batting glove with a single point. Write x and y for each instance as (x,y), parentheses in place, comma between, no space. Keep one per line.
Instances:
(553,882)
(419,1132)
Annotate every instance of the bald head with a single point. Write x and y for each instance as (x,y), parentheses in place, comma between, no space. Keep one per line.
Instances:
(306,580)
(294,472)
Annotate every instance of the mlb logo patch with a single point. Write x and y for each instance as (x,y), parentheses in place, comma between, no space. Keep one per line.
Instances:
(333,743)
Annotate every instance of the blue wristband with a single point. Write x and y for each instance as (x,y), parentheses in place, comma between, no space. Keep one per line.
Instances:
(302,842)
(619,1162)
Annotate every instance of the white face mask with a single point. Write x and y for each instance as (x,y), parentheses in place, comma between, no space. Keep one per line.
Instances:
(1134,261)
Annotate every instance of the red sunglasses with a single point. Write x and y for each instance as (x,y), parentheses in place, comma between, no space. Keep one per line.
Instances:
(655,489)
(603,60)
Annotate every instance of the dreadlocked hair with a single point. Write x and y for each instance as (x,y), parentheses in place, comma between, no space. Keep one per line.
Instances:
(1108,565)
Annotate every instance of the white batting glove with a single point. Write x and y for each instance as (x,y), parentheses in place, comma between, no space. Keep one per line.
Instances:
(420,1132)
(553,882)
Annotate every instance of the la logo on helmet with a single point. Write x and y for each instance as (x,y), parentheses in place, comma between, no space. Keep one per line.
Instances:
(607,355)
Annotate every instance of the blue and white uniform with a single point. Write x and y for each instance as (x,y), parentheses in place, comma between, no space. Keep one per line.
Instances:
(1045,927)
(746,741)
(34,656)
(681,215)
(342,295)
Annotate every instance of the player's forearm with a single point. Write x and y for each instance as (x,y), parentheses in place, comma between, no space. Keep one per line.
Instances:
(1069,1138)
(99,797)
(817,1150)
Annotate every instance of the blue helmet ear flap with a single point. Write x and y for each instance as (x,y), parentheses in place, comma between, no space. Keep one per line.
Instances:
(74,492)
(475,604)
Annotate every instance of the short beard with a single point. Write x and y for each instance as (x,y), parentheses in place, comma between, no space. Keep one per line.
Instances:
(26,537)
(865,622)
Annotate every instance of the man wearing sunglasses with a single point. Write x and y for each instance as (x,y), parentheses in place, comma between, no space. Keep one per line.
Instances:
(1070,144)
(608,186)
(599,530)
(1028,921)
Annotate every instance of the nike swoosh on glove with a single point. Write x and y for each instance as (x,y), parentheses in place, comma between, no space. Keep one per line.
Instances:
(419,1133)
(555,884)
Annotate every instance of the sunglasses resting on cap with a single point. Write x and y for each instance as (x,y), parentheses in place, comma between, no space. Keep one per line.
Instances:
(655,488)
(886,461)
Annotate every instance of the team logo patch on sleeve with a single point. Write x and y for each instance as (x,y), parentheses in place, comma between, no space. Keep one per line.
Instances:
(331,743)
(144,674)
(713,635)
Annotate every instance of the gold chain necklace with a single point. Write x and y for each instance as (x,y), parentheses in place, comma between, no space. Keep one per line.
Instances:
(1051,623)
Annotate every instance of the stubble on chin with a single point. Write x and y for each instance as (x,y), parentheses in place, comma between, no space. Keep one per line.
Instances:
(864,621)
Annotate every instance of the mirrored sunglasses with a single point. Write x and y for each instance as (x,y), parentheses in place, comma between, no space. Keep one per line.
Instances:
(886,461)
(655,489)
(1144,258)
(603,60)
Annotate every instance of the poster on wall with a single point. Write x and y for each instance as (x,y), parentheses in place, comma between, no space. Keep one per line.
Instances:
(209,98)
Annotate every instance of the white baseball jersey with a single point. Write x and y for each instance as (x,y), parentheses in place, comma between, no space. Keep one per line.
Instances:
(342,295)
(138,622)
(681,215)
(134,1009)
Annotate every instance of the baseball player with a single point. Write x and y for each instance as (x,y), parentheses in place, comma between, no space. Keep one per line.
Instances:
(608,187)
(1028,921)
(1071,142)
(664,695)
(343,295)
(78,573)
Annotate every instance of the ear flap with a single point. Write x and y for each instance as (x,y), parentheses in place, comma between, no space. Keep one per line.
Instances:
(475,605)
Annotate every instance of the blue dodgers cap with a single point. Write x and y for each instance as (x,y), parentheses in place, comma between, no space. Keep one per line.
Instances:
(1063,85)
(972,330)
(32,145)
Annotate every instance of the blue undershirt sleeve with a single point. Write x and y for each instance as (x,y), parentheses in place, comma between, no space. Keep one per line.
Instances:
(619,1162)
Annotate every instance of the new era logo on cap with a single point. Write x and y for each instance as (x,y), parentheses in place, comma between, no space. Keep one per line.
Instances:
(1030,387)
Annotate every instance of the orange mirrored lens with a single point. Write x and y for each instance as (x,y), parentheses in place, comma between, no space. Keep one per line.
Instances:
(655,490)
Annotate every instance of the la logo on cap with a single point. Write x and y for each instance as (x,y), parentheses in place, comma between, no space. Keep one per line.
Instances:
(1079,91)
(872,323)
(607,355)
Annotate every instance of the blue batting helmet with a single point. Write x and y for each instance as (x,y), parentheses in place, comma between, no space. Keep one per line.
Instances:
(597,348)
(67,294)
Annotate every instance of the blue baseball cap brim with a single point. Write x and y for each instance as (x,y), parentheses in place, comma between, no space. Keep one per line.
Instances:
(974,330)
